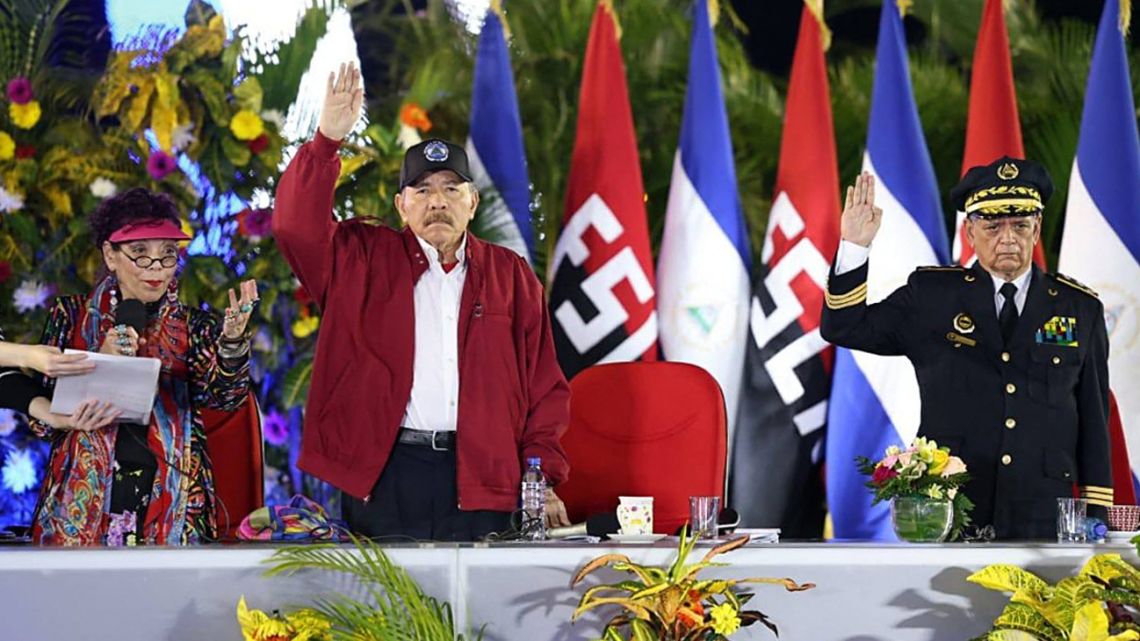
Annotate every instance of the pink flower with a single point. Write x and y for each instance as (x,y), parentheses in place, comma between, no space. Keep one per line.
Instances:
(160,165)
(275,428)
(954,466)
(20,90)
(889,461)
(904,458)
(882,474)
(255,222)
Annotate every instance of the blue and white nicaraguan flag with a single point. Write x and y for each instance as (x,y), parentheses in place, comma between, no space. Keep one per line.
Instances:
(704,263)
(1101,241)
(495,144)
(874,399)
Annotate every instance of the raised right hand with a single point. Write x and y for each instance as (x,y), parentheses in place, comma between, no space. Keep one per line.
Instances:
(343,98)
(861,218)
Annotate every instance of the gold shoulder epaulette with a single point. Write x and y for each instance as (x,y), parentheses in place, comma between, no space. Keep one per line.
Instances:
(940,268)
(1075,284)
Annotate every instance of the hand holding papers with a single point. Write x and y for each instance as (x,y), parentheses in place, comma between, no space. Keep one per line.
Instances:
(129,383)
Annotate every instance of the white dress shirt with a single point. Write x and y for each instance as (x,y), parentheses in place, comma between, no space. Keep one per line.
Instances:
(852,256)
(434,402)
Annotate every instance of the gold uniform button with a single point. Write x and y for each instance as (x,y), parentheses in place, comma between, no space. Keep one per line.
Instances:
(1005,357)
(1056,360)
(1011,423)
(1006,459)
(1010,388)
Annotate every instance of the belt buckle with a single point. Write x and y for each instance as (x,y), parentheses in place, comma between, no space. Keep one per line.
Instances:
(433,445)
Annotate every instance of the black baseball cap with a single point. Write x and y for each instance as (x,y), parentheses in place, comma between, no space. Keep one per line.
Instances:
(430,156)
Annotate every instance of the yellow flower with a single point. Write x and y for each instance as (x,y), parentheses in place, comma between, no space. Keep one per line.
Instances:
(7,146)
(302,327)
(724,619)
(939,458)
(308,625)
(25,116)
(246,125)
(934,492)
(259,626)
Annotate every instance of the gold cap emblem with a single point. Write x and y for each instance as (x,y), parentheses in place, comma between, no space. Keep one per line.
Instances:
(963,323)
(1008,171)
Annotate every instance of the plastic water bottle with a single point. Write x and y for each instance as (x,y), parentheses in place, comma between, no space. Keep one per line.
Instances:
(534,500)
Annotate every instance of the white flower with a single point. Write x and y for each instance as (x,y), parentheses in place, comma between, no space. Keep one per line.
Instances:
(951,493)
(19,472)
(31,294)
(103,188)
(8,422)
(274,116)
(183,136)
(934,492)
(10,201)
(409,137)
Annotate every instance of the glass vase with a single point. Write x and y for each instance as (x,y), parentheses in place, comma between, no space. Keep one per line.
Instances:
(919,519)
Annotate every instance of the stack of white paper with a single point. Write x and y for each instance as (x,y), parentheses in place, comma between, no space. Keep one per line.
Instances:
(127,382)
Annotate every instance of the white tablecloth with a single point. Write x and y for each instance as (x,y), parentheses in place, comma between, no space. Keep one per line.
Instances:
(863,593)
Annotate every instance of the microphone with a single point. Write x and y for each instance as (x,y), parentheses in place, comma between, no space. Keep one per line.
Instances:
(132,313)
(595,525)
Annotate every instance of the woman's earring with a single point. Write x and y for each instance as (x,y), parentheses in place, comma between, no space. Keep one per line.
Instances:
(114,291)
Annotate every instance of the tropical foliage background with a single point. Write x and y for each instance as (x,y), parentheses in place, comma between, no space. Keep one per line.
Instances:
(197,113)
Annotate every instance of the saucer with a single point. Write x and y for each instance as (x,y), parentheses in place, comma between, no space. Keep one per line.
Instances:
(636,538)
(1115,536)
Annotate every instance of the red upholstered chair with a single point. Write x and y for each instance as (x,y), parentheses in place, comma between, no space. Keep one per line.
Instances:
(644,429)
(233,443)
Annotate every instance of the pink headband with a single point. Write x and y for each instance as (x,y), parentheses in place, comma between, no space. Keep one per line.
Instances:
(150,230)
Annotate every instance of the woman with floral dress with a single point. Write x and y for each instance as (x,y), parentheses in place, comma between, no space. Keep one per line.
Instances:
(132,483)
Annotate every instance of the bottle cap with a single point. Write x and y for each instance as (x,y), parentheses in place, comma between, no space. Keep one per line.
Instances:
(533,460)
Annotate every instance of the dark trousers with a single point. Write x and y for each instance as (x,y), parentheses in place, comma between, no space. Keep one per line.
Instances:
(416,498)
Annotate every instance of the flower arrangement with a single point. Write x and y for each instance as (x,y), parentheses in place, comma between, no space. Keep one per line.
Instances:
(673,604)
(1101,603)
(924,470)
(303,625)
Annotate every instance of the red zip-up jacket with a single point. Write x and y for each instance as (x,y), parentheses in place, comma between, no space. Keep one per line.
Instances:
(514,401)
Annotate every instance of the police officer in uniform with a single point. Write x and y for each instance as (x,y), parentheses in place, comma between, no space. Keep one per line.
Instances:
(1012,363)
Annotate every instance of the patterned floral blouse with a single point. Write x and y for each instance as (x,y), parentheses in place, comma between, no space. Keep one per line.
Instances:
(76,494)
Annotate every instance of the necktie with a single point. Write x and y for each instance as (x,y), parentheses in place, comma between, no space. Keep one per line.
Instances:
(1007,318)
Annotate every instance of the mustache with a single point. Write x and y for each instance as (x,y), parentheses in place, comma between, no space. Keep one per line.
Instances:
(438,218)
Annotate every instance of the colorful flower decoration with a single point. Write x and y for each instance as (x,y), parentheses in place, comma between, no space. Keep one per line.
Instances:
(7,146)
(724,619)
(246,125)
(25,151)
(415,116)
(259,144)
(103,188)
(20,90)
(275,428)
(19,473)
(255,223)
(306,324)
(10,201)
(160,165)
(26,115)
(31,294)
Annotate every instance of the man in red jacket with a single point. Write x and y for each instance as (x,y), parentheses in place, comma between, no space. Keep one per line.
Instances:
(435,375)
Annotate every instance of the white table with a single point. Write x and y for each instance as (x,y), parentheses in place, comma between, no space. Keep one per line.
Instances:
(864,592)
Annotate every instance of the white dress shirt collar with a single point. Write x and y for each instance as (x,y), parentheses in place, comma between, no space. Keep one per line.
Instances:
(1022,284)
(433,254)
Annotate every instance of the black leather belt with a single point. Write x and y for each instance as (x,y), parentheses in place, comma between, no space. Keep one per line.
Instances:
(441,441)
